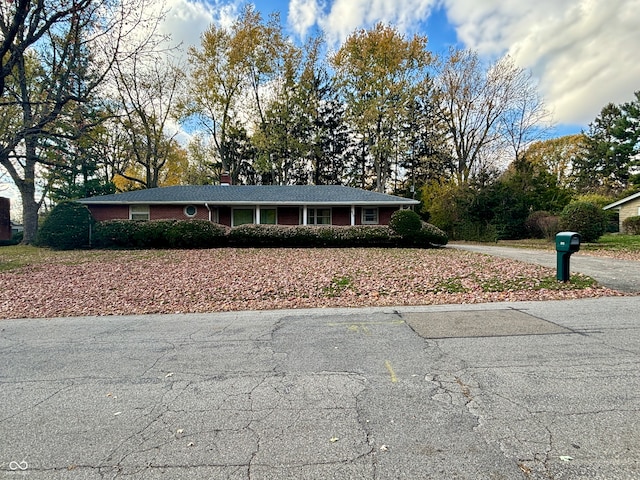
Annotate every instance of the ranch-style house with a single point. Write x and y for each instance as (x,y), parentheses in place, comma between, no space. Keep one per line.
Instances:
(234,205)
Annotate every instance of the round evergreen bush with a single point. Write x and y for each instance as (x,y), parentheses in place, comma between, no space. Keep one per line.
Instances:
(405,223)
(631,225)
(67,227)
(587,219)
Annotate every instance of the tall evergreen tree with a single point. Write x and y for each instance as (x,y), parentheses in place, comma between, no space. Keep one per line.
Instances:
(612,149)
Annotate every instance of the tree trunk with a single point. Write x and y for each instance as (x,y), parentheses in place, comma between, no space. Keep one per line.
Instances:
(29,217)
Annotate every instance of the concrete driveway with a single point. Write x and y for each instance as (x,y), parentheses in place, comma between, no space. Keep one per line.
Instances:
(532,390)
(621,275)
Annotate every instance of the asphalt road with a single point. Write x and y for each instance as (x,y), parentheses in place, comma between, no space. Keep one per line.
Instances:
(532,390)
(621,275)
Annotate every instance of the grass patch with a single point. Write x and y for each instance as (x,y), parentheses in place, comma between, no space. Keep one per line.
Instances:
(450,285)
(337,286)
(612,242)
(615,243)
(17,256)
(576,282)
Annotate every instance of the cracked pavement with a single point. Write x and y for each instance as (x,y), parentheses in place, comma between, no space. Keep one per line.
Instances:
(377,393)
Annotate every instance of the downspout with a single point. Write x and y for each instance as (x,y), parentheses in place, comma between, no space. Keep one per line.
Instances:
(207,205)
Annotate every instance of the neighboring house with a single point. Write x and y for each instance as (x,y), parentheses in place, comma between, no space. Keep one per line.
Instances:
(5,219)
(16,228)
(234,205)
(627,207)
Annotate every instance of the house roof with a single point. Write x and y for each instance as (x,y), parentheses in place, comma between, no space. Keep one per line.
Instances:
(623,201)
(251,195)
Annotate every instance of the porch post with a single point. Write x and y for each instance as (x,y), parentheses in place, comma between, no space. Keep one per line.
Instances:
(353,215)
(257,214)
(304,215)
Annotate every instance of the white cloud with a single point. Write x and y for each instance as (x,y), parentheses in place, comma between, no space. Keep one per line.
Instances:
(303,15)
(584,52)
(186,20)
(343,17)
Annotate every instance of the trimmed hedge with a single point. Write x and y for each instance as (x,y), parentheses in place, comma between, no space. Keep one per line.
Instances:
(412,231)
(432,235)
(204,234)
(631,225)
(159,234)
(311,236)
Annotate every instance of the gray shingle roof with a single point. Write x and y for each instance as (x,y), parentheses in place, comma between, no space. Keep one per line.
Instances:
(252,195)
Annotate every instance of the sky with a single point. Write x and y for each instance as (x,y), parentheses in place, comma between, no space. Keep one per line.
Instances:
(583,53)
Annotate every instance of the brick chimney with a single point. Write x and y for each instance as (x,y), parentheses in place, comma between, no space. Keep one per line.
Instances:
(225,178)
(5,219)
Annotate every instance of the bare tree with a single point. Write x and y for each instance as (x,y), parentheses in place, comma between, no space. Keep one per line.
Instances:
(147,97)
(486,108)
(56,54)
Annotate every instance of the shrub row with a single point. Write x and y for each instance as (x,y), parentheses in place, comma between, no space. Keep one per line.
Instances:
(159,234)
(70,225)
(204,234)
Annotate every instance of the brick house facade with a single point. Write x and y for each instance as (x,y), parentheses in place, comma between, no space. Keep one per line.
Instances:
(237,205)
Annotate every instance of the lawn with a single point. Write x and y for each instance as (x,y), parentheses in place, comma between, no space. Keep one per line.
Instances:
(612,245)
(38,283)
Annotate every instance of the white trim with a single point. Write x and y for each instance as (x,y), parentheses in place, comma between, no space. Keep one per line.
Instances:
(253,215)
(265,207)
(620,202)
(314,217)
(377,213)
(344,203)
(184,210)
(141,211)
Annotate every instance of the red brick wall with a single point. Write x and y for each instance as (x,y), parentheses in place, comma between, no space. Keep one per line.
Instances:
(109,212)
(384,214)
(5,219)
(341,216)
(176,212)
(286,215)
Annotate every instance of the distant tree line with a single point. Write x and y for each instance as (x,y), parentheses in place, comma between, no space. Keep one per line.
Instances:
(91,106)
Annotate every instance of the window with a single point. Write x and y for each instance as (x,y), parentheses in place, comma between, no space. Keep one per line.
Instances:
(268,216)
(190,211)
(370,216)
(319,216)
(242,216)
(139,212)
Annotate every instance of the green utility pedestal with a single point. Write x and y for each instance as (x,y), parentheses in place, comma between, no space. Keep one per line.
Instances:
(566,244)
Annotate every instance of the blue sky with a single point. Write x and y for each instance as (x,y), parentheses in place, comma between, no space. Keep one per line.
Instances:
(583,53)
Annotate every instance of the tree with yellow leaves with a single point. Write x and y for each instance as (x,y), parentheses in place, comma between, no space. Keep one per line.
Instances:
(381,72)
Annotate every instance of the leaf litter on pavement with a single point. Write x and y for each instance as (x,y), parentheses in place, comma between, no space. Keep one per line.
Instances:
(217,280)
